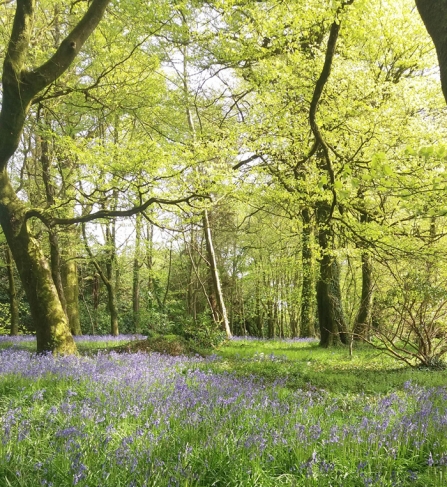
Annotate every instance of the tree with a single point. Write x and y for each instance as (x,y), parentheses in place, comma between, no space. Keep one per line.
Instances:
(21,84)
(342,169)
(215,277)
(136,318)
(315,114)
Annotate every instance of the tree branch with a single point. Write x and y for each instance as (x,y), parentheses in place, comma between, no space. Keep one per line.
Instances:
(53,221)
(68,49)
(92,258)
(246,161)
(20,37)
(19,86)
(318,91)
(434,15)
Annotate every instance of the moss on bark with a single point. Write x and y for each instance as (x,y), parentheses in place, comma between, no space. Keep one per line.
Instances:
(52,330)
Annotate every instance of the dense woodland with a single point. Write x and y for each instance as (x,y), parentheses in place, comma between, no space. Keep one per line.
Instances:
(261,168)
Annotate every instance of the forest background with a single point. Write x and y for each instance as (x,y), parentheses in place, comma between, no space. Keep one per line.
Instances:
(248,168)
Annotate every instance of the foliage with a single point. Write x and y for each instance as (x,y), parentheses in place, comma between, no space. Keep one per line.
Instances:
(204,333)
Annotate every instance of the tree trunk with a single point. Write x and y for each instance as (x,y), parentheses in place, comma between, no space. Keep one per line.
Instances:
(55,256)
(56,265)
(136,276)
(50,321)
(259,312)
(330,309)
(71,291)
(19,87)
(107,278)
(110,281)
(307,328)
(13,303)
(190,291)
(113,310)
(95,299)
(270,320)
(330,316)
(215,273)
(152,284)
(364,314)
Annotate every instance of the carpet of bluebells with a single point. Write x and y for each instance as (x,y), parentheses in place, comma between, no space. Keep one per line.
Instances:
(138,420)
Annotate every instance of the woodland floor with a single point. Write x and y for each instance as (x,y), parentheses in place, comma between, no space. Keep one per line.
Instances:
(249,413)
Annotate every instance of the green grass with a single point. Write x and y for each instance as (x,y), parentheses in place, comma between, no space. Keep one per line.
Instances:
(306,365)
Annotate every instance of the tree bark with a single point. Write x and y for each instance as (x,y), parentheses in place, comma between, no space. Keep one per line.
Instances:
(110,282)
(332,324)
(434,16)
(50,321)
(113,309)
(307,328)
(136,276)
(259,312)
(71,291)
(364,314)
(270,319)
(330,311)
(13,303)
(55,256)
(215,273)
(20,87)
(153,285)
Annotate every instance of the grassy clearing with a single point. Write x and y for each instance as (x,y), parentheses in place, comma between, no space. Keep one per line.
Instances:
(256,414)
(306,365)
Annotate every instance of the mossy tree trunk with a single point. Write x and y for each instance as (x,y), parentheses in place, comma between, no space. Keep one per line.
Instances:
(364,315)
(50,321)
(330,311)
(71,291)
(12,292)
(55,255)
(20,88)
(363,320)
(332,324)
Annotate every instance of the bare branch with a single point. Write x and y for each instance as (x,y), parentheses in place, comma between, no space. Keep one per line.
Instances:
(53,221)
